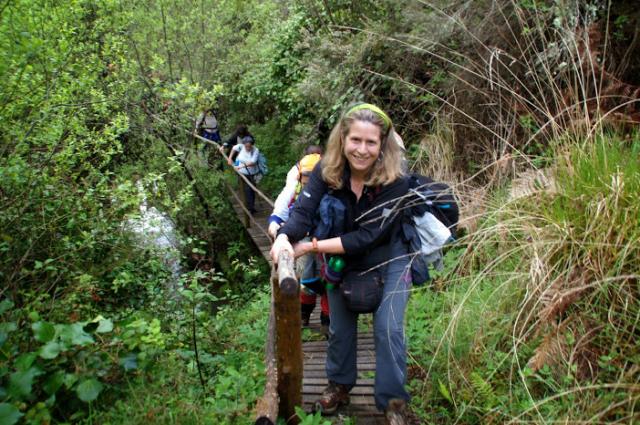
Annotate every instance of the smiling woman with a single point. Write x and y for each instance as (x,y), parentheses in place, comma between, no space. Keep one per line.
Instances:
(362,174)
(362,147)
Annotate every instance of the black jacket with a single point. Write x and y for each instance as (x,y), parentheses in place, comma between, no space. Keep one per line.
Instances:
(369,222)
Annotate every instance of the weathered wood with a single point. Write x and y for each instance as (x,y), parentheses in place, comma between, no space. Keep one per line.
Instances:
(243,197)
(287,278)
(267,407)
(289,338)
(362,367)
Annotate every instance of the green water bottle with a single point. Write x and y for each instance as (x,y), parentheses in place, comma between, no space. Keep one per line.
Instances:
(333,273)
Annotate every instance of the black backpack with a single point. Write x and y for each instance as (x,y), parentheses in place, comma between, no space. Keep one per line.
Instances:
(426,195)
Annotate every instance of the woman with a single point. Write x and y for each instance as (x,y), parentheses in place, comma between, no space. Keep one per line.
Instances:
(246,163)
(208,123)
(362,169)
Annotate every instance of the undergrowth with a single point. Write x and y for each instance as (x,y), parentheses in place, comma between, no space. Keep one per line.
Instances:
(231,357)
(539,321)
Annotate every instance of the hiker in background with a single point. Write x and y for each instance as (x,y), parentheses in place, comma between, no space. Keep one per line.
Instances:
(207,125)
(234,139)
(311,283)
(362,171)
(246,162)
(297,177)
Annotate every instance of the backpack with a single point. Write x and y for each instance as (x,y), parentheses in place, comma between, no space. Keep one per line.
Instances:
(263,170)
(430,221)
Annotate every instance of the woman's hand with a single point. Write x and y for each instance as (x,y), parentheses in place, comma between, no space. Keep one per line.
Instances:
(302,248)
(281,243)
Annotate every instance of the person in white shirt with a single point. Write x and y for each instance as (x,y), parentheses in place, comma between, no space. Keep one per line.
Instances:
(246,163)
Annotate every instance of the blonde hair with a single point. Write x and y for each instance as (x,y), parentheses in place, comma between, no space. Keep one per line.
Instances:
(385,170)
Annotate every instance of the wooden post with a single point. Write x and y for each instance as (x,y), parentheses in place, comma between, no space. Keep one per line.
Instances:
(288,338)
(243,196)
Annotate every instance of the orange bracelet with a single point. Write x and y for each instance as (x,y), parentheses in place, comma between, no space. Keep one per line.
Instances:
(314,244)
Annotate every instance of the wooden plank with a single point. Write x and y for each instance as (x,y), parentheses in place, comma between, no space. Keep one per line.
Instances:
(324,381)
(317,389)
(362,367)
(322,362)
(322,349)
(361,341)
(365,404)
(320,373)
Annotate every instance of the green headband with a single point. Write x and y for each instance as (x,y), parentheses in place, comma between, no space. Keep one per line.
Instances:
(373,108)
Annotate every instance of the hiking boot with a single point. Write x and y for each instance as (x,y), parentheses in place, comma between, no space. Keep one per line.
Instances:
(334,396)
(396,412)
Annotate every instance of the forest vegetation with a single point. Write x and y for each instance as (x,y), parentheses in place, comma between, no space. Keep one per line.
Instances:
(529,109)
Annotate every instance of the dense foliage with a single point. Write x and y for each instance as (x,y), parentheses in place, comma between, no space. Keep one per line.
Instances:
(528,108)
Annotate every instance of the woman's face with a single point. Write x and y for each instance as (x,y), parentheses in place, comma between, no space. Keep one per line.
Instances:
(248,147)
(362,145)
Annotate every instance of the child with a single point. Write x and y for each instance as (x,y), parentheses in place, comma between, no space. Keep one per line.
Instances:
(311,285)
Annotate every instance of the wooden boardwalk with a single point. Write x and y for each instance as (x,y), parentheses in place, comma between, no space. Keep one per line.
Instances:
(257,230)
(314,379)
(362,405)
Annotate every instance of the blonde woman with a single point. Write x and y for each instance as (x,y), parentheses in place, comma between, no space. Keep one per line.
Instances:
(362,169)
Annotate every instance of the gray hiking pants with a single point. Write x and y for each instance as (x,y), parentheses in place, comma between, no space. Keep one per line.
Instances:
(388,329)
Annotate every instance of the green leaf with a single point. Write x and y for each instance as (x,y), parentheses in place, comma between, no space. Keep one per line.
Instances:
(89,390)
(5,305)
(8,327)
(444,391)
(129,362)
(54,382)
(105,325)
(24,361)
(69,380)
(50,350)
(20,383)
(9,414)
(43,331)
(75,334)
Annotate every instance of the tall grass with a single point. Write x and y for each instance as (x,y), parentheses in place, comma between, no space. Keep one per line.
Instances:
(540,320)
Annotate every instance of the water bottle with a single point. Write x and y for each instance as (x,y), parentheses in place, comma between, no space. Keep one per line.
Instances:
(333,272)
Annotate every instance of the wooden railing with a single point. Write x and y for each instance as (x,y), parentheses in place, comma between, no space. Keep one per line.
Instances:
(283,351)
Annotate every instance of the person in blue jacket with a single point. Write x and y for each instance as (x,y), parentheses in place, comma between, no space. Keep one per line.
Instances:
(362,168)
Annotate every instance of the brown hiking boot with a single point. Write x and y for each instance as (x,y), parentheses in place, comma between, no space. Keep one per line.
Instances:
(396,412)
(334,396)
